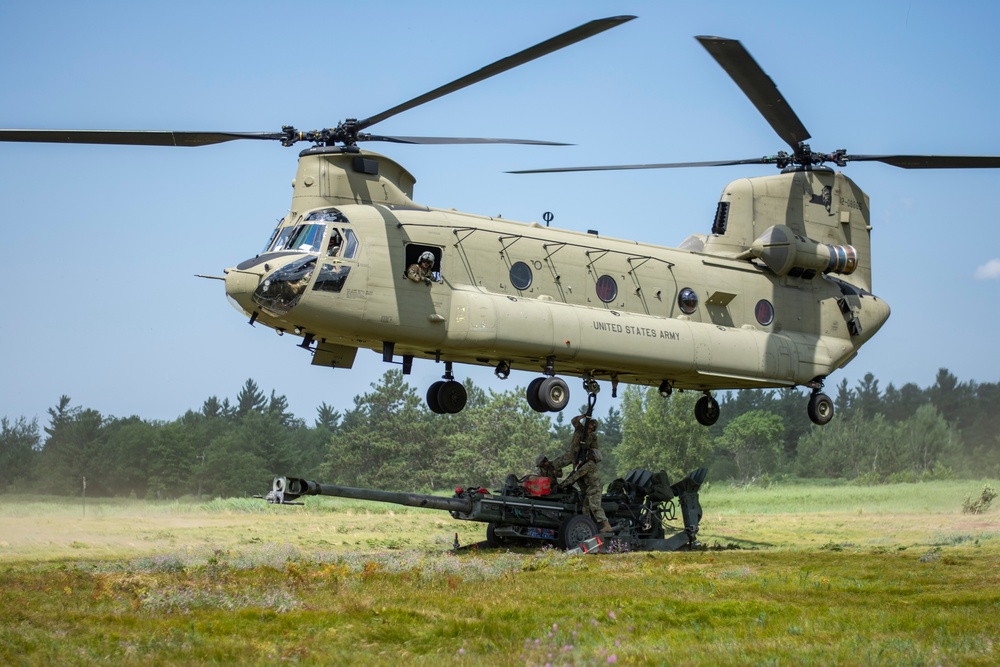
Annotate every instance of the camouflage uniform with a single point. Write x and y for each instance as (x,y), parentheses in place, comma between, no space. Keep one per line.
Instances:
(586,473)
(422,270)
(419,274)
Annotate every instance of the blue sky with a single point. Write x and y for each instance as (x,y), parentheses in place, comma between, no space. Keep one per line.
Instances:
(101,244)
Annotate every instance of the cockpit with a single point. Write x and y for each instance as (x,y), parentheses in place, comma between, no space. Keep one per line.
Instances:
(326,239)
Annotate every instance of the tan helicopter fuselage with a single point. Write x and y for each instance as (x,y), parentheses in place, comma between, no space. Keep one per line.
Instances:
(769,307)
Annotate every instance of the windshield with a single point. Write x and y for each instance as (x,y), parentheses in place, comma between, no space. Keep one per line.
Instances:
(304,238)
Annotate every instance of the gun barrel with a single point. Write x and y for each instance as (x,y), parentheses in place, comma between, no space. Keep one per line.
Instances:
(286,489)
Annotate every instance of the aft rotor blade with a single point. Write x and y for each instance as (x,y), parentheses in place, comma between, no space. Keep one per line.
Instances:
(665,165)
(457,140)
(757,86)
(131,137)
(932,161)
(554,44)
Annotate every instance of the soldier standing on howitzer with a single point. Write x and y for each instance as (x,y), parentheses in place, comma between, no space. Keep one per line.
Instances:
(584,456)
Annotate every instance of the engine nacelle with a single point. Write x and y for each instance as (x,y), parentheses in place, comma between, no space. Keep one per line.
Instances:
(786,253)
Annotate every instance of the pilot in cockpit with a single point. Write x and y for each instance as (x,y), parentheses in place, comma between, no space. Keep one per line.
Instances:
(333,247)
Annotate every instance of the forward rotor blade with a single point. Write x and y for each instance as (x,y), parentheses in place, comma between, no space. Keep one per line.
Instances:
(131,137)
(932,161)
(665,165)
(456,140)
(554,44)
(757,86)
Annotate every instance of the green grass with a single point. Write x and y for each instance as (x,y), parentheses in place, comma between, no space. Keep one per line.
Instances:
(825,575)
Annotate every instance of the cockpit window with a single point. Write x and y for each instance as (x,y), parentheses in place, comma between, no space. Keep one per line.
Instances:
(303,238)
(279,292)
(278,238)
(351,244)
(335,243)
(327,215)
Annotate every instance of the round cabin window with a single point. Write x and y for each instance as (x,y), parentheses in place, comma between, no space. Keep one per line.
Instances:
(607,288)
(520,276)
(764,312)
(687,300)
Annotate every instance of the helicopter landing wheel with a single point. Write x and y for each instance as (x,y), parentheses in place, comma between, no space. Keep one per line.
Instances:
(532,396)
(451,396)
(432,397)
(820,408)
(553,394)
(706,410)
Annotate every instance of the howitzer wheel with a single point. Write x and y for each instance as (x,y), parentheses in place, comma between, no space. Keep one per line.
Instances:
(493,540)
(575,529)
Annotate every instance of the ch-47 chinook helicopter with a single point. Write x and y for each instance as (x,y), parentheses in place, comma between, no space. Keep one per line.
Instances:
(777,294)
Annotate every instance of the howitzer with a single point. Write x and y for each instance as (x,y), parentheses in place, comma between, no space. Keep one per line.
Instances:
(525,513)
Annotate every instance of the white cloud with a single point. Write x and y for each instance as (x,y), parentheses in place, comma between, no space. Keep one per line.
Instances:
(990,269)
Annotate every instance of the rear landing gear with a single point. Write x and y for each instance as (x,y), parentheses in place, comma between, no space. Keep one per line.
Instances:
(706,410)
(446,396)
(820,408)
(547,394)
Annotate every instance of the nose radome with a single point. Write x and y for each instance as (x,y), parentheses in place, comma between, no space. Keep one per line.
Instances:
(874,313)
(240,286)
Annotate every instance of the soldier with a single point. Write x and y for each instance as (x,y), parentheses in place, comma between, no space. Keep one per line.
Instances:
(584,456)
(423,270)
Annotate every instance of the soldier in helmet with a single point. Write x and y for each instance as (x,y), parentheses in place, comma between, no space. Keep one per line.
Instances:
(423,269)
(584,456)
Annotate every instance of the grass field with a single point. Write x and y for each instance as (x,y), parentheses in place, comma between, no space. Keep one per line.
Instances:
(797,574)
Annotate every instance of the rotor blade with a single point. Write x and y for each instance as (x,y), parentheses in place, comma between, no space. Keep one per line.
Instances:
(666,165)
(757,86)
(456,140)
(932,161)
(554,44)
(132,137)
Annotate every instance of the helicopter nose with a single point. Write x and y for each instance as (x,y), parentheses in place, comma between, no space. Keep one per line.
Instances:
(873,314)
(240,286)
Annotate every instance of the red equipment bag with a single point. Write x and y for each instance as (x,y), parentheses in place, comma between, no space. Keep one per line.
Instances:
(537,485)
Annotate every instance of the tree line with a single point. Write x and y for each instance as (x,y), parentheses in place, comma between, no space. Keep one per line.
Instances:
(390,440)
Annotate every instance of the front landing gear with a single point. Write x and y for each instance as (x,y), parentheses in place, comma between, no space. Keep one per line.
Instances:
(706,410)
(820,408)
(446,396)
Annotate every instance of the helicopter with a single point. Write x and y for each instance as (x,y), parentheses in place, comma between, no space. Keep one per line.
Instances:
(776,294)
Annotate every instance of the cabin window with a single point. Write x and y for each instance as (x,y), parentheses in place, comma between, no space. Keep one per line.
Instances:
(520,276)
(764,312)
(607,288)
(687,300)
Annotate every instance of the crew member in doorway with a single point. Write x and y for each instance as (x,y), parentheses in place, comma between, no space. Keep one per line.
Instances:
(423,269)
